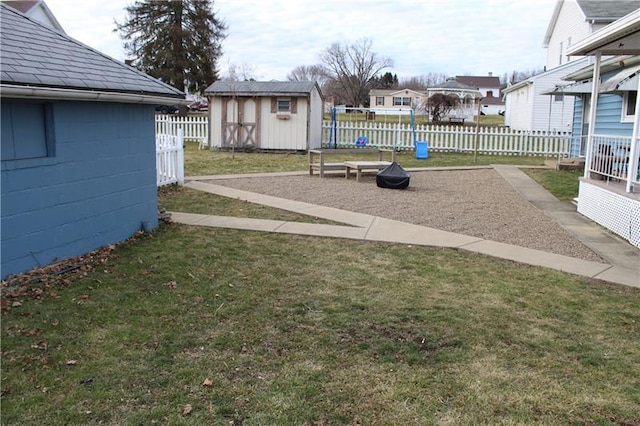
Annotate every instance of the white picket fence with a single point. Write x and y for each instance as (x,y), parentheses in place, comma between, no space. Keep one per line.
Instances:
(448,138)
(170,158)
(440,138)
(195,128)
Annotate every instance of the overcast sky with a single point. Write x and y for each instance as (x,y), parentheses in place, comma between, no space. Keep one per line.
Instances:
(452,37)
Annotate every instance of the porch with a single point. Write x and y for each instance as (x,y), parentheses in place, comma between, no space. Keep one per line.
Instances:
(610,189)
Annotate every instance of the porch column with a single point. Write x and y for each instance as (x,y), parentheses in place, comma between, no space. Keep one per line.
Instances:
(635,149)
(595,88)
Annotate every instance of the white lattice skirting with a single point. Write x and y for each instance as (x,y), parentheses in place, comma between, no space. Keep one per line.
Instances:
(615,212)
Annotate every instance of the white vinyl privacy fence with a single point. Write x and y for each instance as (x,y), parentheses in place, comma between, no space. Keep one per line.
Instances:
(448,138)
(169,158)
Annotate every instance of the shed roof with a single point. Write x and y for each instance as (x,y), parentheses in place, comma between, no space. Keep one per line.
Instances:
(261,88)
(34,55)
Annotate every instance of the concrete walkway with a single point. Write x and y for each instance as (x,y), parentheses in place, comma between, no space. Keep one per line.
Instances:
(622,259)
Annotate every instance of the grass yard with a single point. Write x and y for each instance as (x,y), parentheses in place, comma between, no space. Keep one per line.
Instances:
(206,162)
(200,326)
(563,184)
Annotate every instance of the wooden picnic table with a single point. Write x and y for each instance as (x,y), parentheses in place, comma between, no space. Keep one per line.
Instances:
(360,166)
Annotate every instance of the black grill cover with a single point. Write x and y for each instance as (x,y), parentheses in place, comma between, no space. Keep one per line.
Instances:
(393,176)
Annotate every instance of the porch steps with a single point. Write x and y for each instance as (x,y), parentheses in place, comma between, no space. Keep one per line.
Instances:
(566,164)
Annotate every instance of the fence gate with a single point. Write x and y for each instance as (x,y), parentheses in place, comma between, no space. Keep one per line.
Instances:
(239,123)
(169,158)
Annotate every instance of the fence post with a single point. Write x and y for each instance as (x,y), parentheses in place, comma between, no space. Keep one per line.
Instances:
(180,157)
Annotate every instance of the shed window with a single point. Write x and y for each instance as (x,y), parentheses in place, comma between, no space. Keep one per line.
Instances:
(26,131)
(284,105)
(629,105)
(380,100)
(399,101)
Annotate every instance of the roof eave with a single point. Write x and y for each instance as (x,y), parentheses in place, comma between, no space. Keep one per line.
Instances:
(53,93)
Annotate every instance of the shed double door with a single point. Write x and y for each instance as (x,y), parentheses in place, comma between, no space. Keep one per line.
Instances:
(239,123)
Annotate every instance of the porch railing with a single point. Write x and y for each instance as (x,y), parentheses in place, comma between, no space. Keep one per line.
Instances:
(611,159)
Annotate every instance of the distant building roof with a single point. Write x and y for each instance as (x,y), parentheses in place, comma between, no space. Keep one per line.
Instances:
(264,88)
(36,9)
(34,55)
(479,81)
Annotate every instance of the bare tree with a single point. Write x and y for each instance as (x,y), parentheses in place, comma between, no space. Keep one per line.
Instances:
(422,82)
(352,67)
(440,104)
(309,73)
(243,72)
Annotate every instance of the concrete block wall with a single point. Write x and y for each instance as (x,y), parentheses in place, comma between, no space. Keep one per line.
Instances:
(96,187)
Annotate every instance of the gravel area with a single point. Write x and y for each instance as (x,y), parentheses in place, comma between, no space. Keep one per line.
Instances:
(475,202)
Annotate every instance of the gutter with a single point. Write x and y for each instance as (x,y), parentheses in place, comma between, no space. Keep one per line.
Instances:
(14,91)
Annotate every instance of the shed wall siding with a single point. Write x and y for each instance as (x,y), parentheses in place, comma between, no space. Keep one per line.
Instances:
(98,189)
(288,134)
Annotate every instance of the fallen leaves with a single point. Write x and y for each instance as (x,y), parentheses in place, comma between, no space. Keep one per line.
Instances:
(207,382)
(186,410)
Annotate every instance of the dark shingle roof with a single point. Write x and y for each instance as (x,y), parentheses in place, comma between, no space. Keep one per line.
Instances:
(607,11)
(265,88)
(479,81)
(35,55)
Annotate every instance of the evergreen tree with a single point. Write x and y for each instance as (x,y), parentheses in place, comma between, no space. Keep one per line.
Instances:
(178,42)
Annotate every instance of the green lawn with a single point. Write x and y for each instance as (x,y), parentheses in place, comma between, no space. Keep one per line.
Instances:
(210,326)
(207,162)
(194,325)
(563,184)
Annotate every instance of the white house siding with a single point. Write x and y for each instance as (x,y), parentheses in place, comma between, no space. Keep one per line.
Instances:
(518,108)
(548,113)
(570,28)
(288,134)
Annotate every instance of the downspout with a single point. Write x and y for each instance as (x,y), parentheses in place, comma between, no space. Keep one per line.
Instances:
(635,149)
(595,88)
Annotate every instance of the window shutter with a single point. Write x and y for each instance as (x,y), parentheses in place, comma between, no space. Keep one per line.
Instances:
(294,105)
(274,105)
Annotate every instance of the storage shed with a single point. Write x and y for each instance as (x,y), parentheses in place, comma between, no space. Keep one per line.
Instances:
(78,146)
(270,115)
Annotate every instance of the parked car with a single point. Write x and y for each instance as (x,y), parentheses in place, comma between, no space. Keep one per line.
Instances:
(167,109)
(199,106)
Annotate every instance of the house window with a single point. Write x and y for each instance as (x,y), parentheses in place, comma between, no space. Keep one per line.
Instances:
(558,98)
(379,100)
(401,101)
(284,105)
(629,105)
(26,130)
(560,56)
(489,93)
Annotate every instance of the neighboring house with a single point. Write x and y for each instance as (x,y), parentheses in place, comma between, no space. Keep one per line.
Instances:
(489,86)
(395,101)
(468,98)
(38,10)
(571,21)
(78,146)
(270,115)
(609,115)
(529,107)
